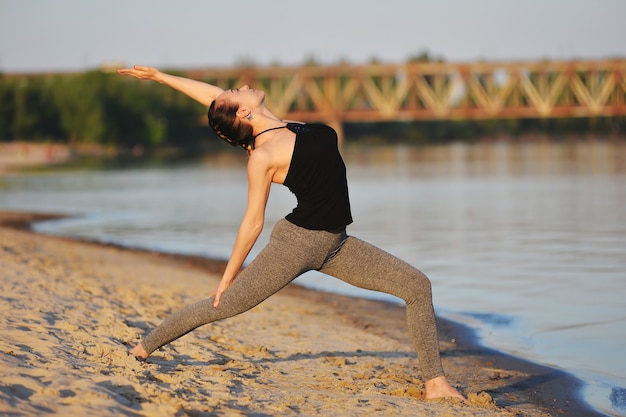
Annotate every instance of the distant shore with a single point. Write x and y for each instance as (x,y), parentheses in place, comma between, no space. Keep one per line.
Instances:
(70,304)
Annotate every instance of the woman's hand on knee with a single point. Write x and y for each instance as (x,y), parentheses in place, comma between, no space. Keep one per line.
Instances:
(221,288)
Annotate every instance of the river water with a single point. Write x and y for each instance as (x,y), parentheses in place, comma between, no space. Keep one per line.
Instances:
(525,242)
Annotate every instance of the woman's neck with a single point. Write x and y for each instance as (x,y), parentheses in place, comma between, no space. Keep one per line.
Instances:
(269,129)
(265,121)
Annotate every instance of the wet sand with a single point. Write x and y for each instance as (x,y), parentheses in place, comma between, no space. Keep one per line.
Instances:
(69,306)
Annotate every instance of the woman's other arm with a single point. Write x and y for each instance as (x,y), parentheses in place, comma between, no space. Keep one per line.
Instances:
(259,182)
(202,92)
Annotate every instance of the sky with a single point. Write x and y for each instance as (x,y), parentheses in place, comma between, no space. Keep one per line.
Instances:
(74,35)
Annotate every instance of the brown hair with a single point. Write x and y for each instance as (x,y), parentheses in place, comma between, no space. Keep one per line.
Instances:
(223,121)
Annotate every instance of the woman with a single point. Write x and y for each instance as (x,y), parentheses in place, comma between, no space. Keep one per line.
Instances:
(306,159)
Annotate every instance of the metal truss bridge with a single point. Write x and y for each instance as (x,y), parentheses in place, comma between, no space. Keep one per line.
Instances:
(435,91)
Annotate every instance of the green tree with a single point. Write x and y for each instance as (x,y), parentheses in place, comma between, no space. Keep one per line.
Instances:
(6,108)
(80,107)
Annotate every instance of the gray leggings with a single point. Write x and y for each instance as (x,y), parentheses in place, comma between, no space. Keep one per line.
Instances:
(292,251)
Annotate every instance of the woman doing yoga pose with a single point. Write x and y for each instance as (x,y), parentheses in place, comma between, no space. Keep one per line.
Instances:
(306,159)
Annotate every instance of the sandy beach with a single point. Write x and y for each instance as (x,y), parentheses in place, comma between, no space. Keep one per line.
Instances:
(69,307)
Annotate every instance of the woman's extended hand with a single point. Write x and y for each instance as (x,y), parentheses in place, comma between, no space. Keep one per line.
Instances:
(141,72)
(200,91)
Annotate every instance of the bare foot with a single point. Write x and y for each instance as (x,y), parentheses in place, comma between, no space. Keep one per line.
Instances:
(439,388)
(139,352)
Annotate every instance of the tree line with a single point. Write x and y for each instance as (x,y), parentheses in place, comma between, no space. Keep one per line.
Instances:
(100,107)
(97,107)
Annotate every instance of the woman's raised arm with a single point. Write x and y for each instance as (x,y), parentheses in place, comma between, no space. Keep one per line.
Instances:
(202,92)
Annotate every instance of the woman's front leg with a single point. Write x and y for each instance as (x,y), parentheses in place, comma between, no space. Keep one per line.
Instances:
(363,265)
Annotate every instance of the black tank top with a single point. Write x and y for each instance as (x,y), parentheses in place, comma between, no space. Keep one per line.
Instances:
(317,177)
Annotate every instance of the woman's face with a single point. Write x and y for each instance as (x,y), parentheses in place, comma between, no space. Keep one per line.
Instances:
(245,97)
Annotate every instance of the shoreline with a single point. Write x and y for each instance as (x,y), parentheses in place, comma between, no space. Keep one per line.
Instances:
(517,386)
